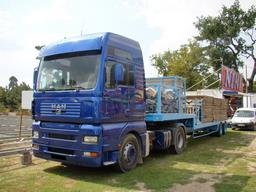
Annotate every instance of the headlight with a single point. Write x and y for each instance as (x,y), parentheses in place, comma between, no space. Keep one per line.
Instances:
(91,139)
(35,134)
(252,121)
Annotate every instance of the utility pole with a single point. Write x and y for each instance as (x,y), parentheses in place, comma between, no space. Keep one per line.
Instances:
(246,86)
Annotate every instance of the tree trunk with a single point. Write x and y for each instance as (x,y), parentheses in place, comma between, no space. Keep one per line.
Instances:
(250,86)
(251,79)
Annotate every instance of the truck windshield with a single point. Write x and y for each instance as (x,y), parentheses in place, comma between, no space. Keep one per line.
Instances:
(244,114)
(72,72)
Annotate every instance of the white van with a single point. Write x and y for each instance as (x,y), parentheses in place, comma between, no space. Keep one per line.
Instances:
(244,118)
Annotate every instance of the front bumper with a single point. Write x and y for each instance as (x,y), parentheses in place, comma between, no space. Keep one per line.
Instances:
(64,143)
(243,125)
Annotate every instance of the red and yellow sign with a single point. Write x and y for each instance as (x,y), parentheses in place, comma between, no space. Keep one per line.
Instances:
(231,80)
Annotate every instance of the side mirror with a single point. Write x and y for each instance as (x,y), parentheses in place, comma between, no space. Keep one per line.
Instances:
(35,78)
(119,73)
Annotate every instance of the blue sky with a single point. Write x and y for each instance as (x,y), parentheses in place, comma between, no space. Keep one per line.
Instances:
(157,25)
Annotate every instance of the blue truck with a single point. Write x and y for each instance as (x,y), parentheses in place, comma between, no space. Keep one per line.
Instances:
(93,107)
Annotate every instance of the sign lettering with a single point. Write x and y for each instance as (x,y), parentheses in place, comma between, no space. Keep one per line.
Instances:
(231,80)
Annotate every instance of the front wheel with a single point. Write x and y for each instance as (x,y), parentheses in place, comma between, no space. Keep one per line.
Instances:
(254,127)
(128,154)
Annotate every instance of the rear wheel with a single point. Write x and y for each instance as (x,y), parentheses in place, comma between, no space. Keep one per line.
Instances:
(224,129)
(219,133)
(179,141)
(128,154)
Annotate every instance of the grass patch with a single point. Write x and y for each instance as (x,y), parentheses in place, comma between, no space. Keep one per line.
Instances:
(226,158)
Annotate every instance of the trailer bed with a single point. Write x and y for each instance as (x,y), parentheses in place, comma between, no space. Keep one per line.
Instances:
(155,117)
(167,117)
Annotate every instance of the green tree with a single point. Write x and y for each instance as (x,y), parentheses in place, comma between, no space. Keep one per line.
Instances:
(187,62)
(13,94)
(229,36)
(2,98)
(13,98)
(13,82)
(161,62)
(23,86)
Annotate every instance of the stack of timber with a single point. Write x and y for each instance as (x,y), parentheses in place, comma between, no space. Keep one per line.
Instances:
(169,101)
(213,109)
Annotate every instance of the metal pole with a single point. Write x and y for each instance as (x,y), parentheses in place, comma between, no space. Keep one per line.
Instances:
(21,116)
(213,83)
(246,88)
(203,80)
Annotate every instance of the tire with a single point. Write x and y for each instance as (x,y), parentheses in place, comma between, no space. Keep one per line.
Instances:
(254,127)
(179,141)
(128,154)
(224,129)
(219,133)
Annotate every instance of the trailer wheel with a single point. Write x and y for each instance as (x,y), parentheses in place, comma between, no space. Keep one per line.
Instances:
(219,133)
(128,154)
(179,141)
(224,129)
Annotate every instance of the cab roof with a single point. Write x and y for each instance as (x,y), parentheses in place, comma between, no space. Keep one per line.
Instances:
(89,42)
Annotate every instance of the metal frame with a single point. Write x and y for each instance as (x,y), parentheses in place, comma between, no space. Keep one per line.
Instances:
(179,90)
(195,119)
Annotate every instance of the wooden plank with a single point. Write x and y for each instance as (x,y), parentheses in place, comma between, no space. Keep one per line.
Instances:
(214,109)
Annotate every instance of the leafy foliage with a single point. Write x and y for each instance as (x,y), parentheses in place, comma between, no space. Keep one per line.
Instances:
(229,37)
(2,98)
(10,97)
(188,62)
(13,82)
(161,62)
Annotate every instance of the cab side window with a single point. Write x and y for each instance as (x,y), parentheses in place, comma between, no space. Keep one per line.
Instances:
(128,70)
(110,75)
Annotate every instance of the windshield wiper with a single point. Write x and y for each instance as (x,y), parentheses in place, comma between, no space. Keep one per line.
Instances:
(77,88)
(50,89)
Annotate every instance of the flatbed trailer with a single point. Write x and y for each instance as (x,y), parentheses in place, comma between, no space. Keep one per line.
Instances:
(92,106)
(180,123)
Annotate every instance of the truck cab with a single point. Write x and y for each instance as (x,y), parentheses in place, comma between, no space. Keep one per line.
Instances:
(88,98)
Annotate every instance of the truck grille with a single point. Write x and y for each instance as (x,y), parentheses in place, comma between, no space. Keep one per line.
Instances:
(61,136)
(60,109)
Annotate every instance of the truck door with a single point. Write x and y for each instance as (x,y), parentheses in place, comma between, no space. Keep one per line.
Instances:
(116,93)
(136,92)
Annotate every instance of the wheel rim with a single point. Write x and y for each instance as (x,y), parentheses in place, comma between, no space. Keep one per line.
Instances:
(129,153)
(180,141)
